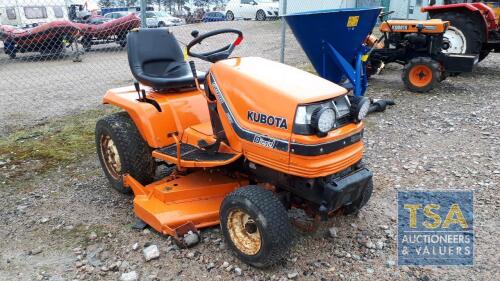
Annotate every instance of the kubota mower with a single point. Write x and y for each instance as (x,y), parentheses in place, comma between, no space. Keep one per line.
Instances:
(249,140)
(420,47)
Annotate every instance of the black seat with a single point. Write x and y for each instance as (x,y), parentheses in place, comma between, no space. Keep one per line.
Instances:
(156,60)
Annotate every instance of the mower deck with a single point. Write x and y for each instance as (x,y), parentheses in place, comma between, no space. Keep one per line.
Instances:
(172,203)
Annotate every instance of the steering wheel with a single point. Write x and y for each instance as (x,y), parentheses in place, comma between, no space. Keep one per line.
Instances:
(219,54)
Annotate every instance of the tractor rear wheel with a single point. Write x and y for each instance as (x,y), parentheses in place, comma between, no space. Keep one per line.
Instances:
(421,74)
(470,25)
(122,150)
(255,226)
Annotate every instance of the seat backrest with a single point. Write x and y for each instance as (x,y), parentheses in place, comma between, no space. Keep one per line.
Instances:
(155,57)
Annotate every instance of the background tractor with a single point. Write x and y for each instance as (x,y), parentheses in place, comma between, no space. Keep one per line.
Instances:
(475,26)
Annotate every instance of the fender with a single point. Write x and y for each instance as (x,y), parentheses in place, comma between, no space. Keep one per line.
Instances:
(484,11)
(177,112)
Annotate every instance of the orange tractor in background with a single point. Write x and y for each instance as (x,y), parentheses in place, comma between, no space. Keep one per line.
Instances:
(421,47)
(244,143)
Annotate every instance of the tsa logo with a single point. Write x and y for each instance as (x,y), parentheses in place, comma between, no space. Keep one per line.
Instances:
(435,228)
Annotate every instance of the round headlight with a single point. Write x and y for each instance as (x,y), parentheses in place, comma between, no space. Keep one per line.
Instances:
(363,109)
(323,119)
(359,107)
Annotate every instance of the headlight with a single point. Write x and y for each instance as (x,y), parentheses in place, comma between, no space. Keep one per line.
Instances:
(359,107)
(323,119)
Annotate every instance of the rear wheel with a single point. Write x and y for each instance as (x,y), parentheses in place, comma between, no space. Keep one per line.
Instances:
(455,41)
(122,150)
(469,25)
(255,226)
(421,74)
(260,16)
(161,24)
(229,15)
(483,54)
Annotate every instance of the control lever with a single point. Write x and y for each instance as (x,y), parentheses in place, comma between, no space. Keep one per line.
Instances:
(195,75)
(143,98)
(137,89)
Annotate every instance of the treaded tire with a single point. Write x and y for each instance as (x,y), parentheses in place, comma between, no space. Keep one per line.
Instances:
(354,207)
(421,61)
(134,152)
(469,24)
(271,219)
(229,16)
(483,54)
(260,15)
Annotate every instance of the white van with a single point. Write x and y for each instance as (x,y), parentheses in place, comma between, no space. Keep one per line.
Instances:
(25,13)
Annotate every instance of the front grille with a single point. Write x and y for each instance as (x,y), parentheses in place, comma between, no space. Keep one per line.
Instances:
(344,120)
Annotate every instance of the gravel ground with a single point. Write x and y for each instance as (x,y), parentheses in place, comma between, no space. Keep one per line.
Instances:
(69,224)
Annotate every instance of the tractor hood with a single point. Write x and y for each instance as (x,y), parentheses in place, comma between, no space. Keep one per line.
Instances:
(264,95)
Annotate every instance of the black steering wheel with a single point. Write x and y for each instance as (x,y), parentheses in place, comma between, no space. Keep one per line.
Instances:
(219,54)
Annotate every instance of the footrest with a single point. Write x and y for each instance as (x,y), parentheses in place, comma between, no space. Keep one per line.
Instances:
(192,156)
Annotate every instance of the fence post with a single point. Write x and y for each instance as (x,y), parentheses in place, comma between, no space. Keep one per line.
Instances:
(283,33)
(143,13)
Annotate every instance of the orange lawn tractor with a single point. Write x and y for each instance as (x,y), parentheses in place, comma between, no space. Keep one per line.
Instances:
(244,142)
(420,46)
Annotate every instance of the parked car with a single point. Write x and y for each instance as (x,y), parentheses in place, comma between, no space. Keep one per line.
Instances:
(162,19)
(117,15)
(252,9)
(213,16)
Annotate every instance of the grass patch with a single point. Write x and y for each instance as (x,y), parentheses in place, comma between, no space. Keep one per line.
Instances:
(46,146)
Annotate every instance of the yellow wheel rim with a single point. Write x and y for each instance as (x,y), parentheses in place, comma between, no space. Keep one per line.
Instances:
(244,232)
(110,156)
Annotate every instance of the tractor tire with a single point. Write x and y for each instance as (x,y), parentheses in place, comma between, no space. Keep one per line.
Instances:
(355,206)
(117,135)
(229,16)
(483,54)
(260,15)
(421,74)
(469,25)
(255,226)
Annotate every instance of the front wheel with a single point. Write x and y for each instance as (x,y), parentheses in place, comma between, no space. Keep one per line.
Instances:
(421,74)
(122,150)
(260,16)
(255,226)
(229,16)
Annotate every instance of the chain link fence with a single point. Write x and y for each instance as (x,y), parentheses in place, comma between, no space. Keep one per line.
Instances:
(64,54)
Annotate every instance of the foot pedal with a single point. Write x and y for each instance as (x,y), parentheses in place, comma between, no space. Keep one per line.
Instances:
(210,148)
